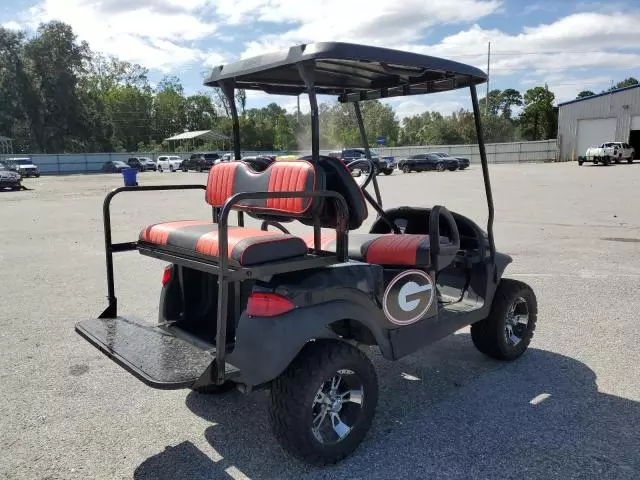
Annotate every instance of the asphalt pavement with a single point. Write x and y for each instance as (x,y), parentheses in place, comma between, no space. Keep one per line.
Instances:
(568,409)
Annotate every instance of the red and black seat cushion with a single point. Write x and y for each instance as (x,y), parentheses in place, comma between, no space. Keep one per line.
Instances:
(383,249)
(246,246)
(228,178)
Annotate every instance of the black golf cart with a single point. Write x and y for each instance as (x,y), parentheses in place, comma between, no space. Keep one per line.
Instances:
(259,307)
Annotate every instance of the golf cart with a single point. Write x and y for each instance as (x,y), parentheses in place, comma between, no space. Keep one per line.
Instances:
(260,307)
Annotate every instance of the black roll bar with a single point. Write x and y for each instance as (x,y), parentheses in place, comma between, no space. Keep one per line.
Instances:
(485,176)
(112,309)
(367,152)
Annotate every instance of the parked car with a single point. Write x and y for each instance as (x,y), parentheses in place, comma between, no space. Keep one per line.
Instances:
(227,157)
(608,152)
(114,166)
(427,161)
(462,162)
(22,166)
(201,161)
(348,155)
(169,162)
(9,179)
(142,164)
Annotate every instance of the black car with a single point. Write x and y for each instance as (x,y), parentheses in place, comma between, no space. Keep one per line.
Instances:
(114,166)
(9,179)
(462,162)
(201,161)
(427,161)
(142,164)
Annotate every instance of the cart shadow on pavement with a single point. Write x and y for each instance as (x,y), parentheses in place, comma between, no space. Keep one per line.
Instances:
(444,412)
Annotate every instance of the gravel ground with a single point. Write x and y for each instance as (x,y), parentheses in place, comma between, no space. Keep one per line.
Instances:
(574,233)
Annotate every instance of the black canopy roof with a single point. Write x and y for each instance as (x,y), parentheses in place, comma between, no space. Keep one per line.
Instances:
(352,72)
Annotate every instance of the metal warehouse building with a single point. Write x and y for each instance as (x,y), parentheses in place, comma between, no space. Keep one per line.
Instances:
(607,117)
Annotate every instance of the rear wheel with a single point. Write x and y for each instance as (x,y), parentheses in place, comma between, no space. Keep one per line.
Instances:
(606,161)
(506,333)
(160,169)
(171,168)
(387,172)
(580,162)
(322,406)
(630,159)
(440,167)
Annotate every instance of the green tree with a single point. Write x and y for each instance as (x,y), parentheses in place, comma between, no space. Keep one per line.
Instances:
(54,61)
(169,112)
(509,98)
(538,114)
(585,93)
(627,82)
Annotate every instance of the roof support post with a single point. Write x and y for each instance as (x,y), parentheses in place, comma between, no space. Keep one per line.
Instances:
(229,89)
(367,152)
(307,75)
(485,173)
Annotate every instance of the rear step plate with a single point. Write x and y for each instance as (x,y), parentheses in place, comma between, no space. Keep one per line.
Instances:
(154,355)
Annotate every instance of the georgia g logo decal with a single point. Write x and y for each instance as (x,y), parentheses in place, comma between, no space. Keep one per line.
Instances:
(408,297)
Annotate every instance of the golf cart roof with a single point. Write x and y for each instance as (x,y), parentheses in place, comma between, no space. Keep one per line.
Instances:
(351,72)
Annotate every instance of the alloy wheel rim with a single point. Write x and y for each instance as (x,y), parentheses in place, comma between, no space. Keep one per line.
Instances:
(517,321)
(337,406)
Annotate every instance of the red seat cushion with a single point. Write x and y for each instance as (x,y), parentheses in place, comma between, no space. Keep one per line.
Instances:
(246,246)
(382,249)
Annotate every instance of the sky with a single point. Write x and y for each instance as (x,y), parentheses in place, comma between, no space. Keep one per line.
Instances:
(569,45)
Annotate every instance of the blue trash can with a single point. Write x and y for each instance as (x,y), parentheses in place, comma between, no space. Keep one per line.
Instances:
(129,175)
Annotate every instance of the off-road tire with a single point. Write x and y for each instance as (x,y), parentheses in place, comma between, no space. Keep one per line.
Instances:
(292,394)
(488,335)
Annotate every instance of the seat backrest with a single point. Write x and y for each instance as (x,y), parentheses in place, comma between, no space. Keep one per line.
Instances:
(229,178)
(339,179)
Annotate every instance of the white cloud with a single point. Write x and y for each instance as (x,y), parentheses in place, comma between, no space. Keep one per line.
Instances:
(385,23)
(155,33)
(12,25)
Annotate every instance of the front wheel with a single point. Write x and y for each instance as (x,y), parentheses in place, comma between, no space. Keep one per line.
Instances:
(322,406)
(440,167)
(506,333)
(171,168)
(630,159)
(387,172)
(405,169)
(160,169)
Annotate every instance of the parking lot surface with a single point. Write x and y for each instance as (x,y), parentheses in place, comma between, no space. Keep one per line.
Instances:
(445,412)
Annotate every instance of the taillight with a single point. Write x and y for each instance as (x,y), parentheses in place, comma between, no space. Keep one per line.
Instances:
(262,304)
(166,275)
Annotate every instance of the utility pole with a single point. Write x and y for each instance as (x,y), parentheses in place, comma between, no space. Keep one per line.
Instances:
(486,98)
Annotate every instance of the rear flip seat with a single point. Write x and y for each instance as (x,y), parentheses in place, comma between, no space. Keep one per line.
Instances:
(246,246)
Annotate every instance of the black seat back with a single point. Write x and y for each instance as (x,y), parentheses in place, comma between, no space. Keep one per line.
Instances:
(339,179)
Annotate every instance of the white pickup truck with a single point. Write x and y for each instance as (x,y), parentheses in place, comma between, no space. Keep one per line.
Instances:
(608,152)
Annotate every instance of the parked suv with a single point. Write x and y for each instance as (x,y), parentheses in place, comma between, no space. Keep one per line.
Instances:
(9,179)
(169,162)
(23,166)
(201,161)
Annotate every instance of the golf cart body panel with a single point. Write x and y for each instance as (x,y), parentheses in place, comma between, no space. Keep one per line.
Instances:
(255,307)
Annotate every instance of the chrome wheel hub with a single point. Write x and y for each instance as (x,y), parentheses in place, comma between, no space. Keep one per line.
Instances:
(517,321)
(336,407)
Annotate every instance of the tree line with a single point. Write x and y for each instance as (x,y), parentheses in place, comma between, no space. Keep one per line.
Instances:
(57,96)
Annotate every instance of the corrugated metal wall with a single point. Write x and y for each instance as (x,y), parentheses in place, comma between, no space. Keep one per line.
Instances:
(622,105)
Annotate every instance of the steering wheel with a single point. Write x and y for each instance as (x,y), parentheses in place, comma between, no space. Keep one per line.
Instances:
(435,247)
(364,179)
